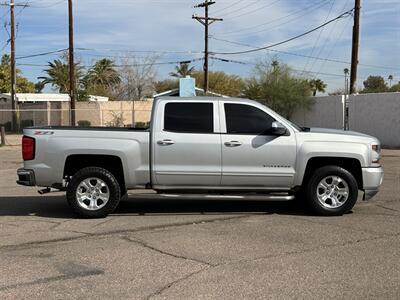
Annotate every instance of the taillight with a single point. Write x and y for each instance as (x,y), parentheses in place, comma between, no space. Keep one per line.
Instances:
(28,148)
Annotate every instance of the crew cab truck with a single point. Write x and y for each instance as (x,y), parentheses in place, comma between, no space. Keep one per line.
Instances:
(204,146)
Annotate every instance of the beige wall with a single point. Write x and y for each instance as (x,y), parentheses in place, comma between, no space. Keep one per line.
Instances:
(97,113)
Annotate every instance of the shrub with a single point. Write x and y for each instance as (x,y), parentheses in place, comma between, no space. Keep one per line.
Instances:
(142,125)
(84,123)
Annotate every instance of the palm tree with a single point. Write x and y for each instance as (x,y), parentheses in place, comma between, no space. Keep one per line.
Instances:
(390,77)
(58,75)
(103,74)
(317,85)
(182,70)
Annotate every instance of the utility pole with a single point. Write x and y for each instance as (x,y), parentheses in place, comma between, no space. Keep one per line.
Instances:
(15,125)
(355,45)
(71,64)
(206,21)
(13,72)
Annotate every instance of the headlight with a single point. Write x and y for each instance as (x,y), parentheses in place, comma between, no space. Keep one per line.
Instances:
(376,153)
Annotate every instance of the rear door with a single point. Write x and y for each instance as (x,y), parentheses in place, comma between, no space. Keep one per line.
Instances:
(187,145)
(251,156)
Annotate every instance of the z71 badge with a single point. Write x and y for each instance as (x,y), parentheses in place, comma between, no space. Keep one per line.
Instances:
(44,132)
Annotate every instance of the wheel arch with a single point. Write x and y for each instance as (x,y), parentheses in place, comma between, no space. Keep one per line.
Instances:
(111,163)
(350,164)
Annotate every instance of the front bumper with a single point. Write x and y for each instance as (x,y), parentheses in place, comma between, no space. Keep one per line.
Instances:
(26,177)
(372,180)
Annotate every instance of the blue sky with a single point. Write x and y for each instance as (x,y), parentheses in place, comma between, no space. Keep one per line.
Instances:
(118,28)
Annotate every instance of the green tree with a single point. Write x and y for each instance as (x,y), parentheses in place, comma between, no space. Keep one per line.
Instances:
(375,84)
(23,85)
(102,78)
(58,77)
(221,83)
(166,85)
(39,86)
(275,85)
(317,85)
(395,87)
(182,70)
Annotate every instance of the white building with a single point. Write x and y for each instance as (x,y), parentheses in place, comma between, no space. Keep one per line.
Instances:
(45,97)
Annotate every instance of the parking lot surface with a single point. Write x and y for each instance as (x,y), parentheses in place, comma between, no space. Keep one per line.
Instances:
(154,248)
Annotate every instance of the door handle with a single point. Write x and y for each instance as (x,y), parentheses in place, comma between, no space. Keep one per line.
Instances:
(233,144)
(165,142)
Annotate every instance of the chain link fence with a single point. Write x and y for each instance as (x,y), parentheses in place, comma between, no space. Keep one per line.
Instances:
(84,117)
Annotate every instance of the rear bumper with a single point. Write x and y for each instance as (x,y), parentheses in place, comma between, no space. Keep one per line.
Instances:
(372,180)
(26,177)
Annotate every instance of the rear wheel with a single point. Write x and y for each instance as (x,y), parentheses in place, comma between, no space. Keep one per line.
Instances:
(93,193)
(331,191)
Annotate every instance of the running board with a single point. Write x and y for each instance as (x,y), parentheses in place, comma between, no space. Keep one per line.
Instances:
(253,197)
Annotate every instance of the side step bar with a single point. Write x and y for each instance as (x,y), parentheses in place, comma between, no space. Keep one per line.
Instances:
(253,197)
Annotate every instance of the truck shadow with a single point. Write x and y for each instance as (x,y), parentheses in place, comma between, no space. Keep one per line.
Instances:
(57,207)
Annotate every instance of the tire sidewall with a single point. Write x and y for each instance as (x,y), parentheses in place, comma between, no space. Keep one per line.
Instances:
(108,178)
(315,179)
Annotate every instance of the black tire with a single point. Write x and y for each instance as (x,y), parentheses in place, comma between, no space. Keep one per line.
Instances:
(312,197)
(113,190)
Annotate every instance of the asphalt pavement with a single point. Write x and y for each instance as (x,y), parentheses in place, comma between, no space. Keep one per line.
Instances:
(153,248)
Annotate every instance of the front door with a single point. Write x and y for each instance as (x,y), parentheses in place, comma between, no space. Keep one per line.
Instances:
(251,155)
(187,146)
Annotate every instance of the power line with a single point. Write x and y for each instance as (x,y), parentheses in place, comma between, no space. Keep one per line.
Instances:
(337,38)
(283,52)
(42,54)
(295,12)
(296,70)
(50,5)
(113,50)
(254,10)
(345,14)
(319,36)
(140,51)
(238,9)
(307,56)
(328,39)
(227,7)
(128,65)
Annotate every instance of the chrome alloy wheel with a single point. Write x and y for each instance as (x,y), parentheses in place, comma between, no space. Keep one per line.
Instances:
(92,193)
(332,191)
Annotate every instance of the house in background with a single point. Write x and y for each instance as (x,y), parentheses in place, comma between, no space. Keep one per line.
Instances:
(45,97)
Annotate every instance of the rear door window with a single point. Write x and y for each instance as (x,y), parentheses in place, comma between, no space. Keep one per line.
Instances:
(189,117)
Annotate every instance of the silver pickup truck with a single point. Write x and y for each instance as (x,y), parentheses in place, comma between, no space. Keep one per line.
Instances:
(207,147)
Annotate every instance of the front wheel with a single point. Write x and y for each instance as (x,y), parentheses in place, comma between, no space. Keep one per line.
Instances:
(93,192)
(331,191)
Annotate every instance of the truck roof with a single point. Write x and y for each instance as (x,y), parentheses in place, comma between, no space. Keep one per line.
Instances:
(205,98)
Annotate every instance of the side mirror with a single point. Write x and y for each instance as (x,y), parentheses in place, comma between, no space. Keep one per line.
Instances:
(278,129)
